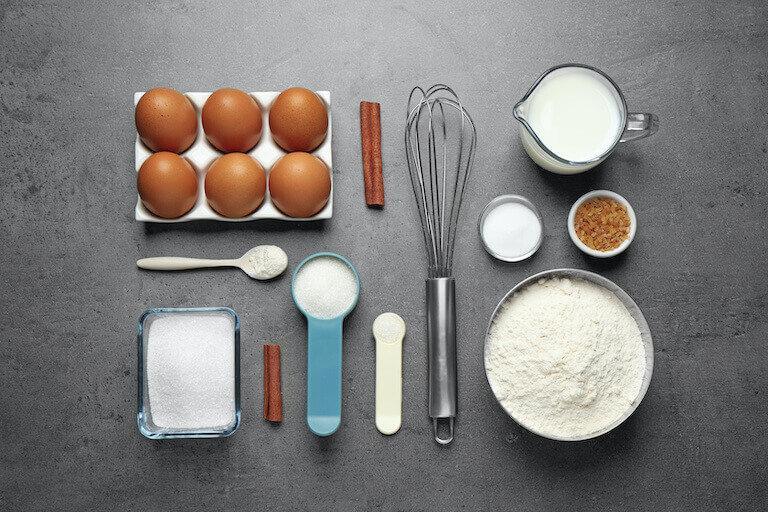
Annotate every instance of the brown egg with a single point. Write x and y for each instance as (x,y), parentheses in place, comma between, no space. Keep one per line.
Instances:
(298,120)
(232,120)
(167,185)
(235,185)
(166,120)
(300,184)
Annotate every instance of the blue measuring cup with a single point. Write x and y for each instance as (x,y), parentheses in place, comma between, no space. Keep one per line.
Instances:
(324,359)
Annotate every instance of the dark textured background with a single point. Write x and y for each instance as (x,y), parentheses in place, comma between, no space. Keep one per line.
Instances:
(71,294)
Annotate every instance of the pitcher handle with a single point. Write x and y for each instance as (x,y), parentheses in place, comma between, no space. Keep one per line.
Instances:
(640,126)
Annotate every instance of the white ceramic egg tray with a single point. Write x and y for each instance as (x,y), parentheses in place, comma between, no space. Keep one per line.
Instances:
(202,154)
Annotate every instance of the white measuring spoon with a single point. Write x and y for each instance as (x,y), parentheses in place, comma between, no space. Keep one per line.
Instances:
(388,331)
(262,262)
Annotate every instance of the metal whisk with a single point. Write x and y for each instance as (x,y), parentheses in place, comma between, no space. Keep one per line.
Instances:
(440,140)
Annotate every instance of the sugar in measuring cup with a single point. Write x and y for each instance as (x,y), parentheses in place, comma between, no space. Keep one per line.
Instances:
(325,288)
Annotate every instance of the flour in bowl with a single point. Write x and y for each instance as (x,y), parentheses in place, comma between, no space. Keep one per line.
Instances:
(565,358)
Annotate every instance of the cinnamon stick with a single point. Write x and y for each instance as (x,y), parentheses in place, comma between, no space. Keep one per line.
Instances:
(273,399)
(370,130)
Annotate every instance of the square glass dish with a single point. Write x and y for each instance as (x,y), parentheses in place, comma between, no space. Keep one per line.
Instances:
(202,154)
(188,372)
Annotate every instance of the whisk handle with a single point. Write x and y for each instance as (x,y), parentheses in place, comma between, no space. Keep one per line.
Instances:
(441,337)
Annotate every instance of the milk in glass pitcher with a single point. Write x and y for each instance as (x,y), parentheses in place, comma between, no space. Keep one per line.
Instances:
(574,116)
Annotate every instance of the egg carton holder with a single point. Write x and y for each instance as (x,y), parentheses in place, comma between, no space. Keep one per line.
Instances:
(202,154)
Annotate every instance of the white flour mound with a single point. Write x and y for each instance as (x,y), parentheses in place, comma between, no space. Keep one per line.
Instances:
(564,357)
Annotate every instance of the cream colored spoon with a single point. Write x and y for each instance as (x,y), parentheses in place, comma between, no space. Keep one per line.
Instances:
(389,331)
(262,262)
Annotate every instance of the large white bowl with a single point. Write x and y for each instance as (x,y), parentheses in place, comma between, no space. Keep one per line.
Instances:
(634,311)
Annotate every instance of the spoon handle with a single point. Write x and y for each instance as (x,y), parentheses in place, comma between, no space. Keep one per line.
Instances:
(175,263)
(324,375)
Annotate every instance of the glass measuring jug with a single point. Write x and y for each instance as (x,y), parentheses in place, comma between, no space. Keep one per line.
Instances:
(574,116)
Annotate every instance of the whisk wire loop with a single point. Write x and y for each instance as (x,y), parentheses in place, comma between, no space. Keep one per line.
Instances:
(439,177)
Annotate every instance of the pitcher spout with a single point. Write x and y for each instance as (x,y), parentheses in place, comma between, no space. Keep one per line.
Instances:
(519,111)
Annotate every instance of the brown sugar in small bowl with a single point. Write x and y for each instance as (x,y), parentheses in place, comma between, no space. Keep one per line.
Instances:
(594,252)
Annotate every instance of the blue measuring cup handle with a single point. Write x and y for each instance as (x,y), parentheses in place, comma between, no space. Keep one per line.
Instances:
(324,375)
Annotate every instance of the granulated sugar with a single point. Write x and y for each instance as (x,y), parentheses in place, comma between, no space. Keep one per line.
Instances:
(191,371)
(325,287)
(511,230)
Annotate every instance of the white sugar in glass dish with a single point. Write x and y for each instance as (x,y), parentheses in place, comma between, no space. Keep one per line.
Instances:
(511,228)
(189,370)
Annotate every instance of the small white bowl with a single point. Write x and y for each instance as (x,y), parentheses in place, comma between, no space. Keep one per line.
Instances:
(610,195)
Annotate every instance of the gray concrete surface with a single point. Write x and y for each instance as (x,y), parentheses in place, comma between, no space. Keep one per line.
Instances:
(72,295)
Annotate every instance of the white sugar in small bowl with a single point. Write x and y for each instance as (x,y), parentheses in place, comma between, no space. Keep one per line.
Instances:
(516,239)
(588,250)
